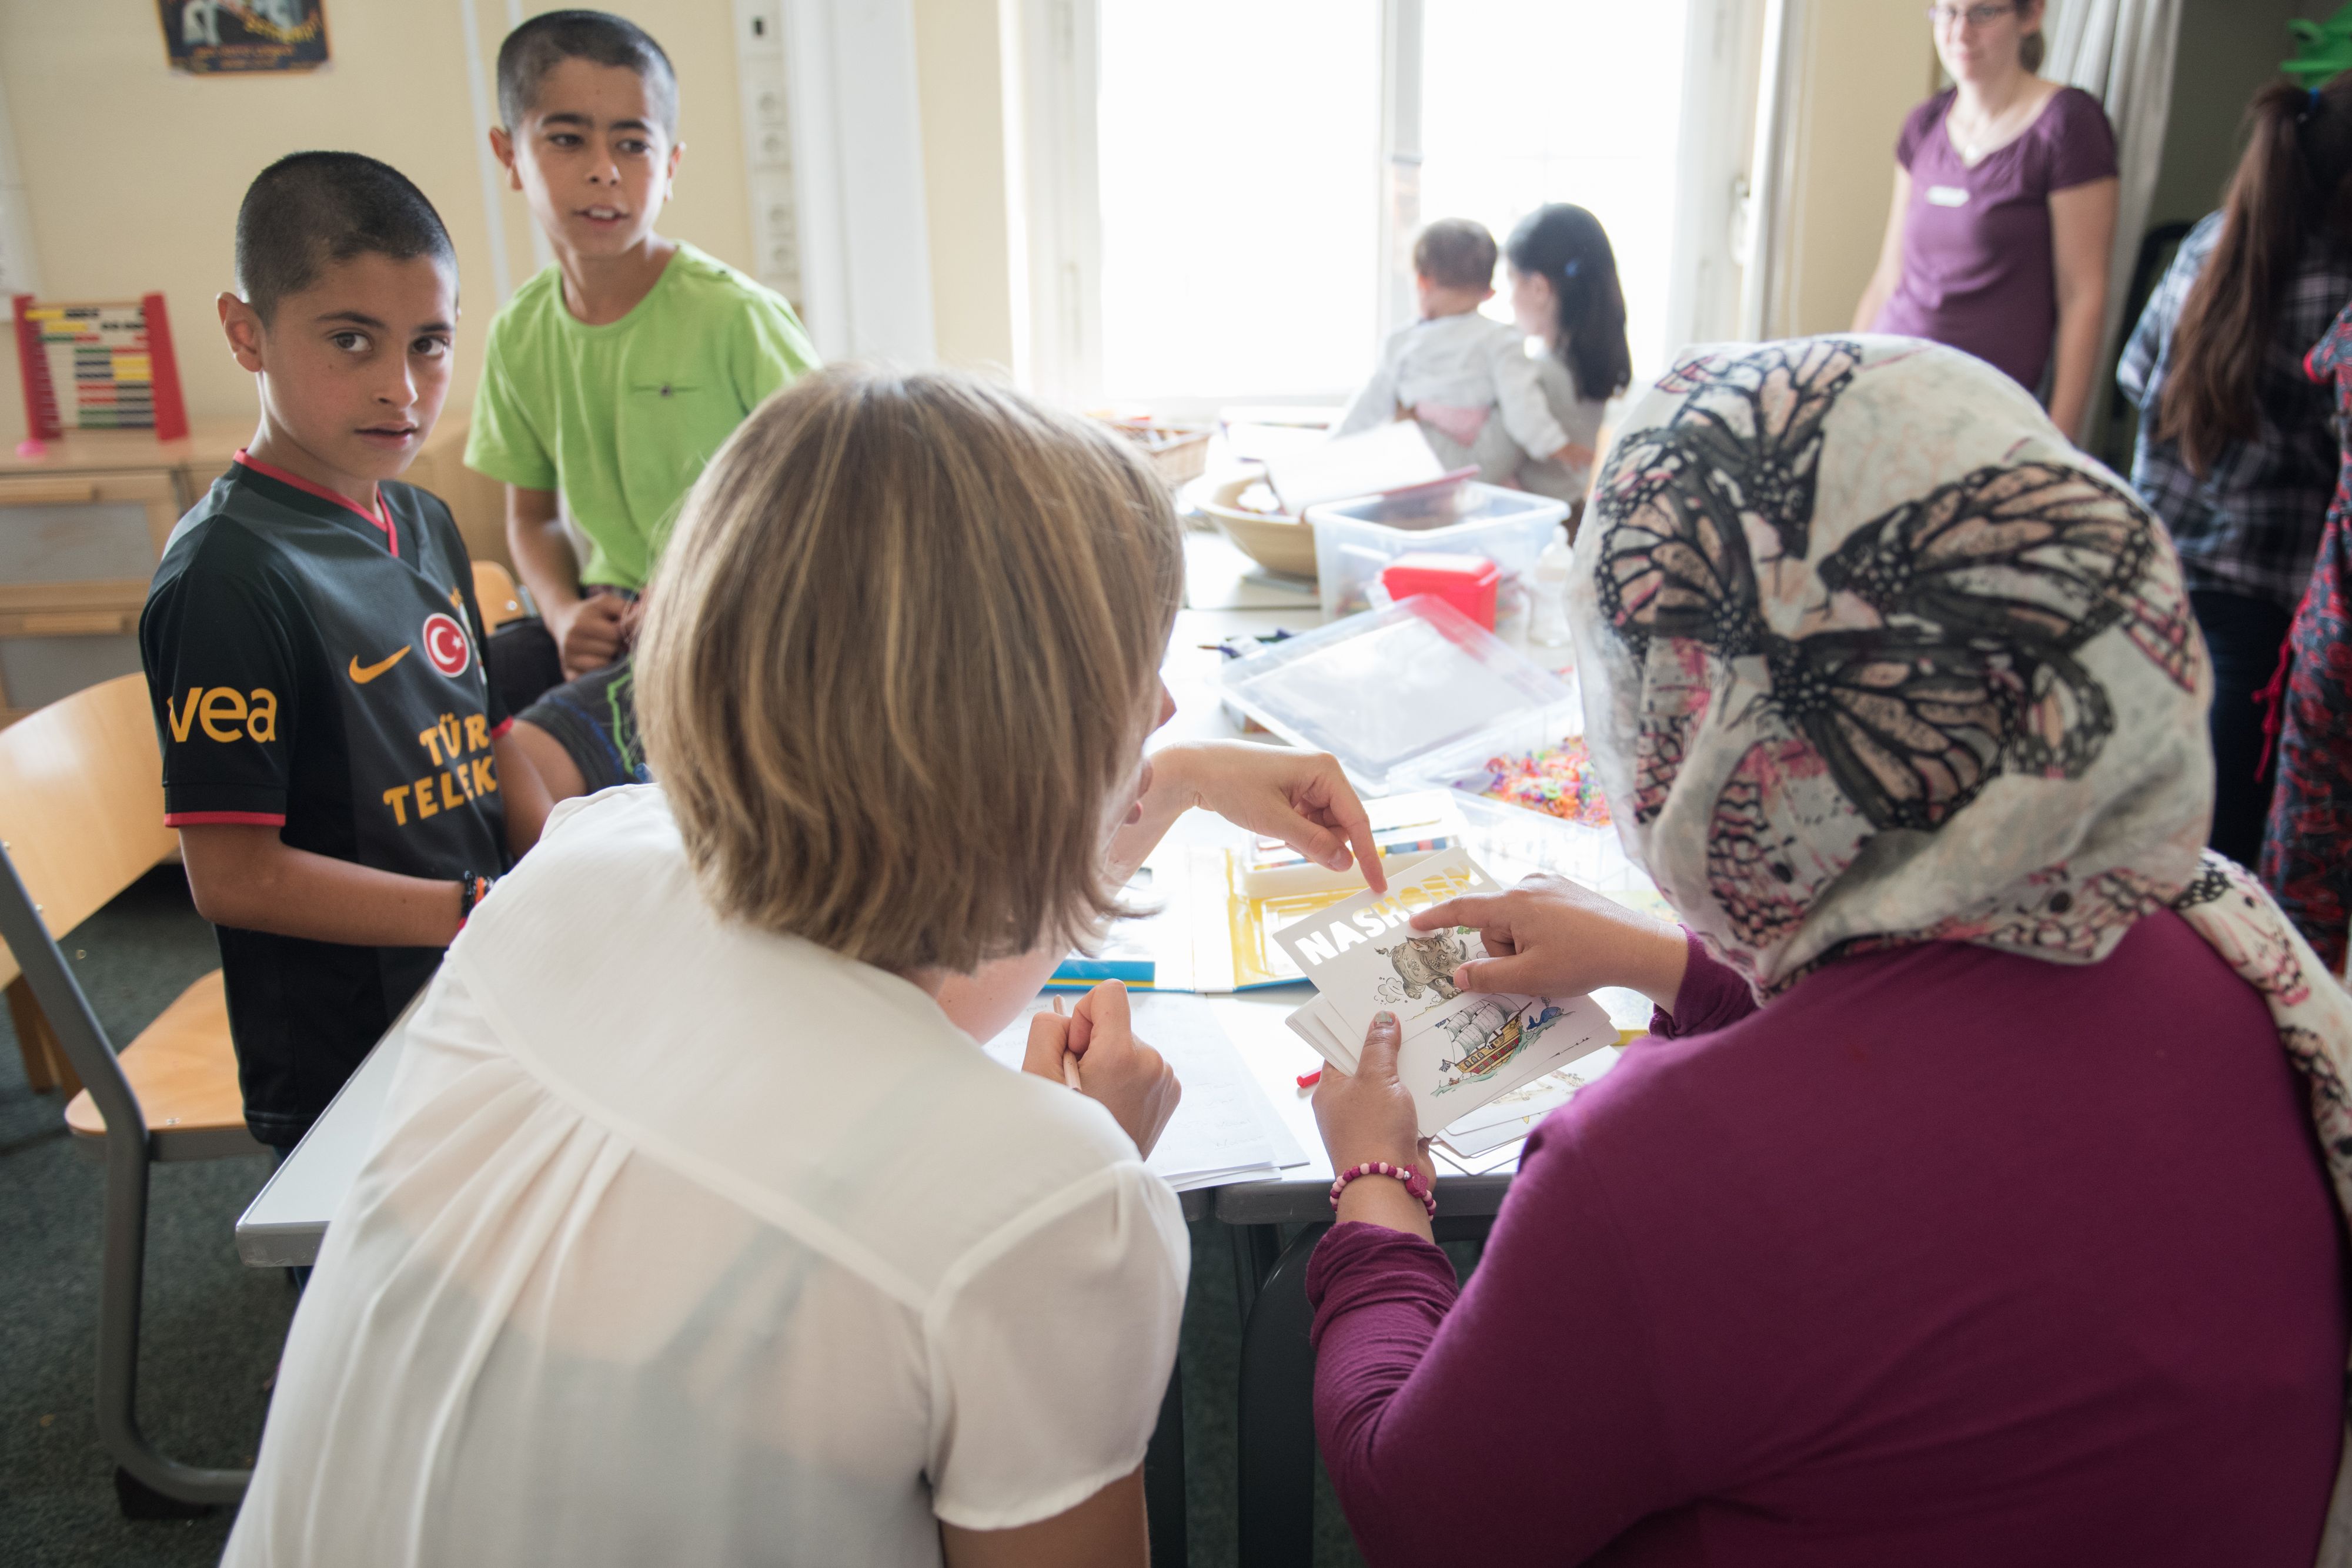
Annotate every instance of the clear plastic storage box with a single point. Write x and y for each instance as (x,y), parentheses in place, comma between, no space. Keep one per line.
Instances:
(1399,694)
(1354,539)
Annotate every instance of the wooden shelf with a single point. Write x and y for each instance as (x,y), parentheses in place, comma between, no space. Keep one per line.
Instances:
(209,444)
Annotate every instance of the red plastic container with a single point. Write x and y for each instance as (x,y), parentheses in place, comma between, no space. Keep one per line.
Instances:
(1467,582)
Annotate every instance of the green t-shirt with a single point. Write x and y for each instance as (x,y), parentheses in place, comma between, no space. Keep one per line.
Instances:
(621,417)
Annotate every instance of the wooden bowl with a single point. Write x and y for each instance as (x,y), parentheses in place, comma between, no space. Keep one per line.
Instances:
(1282,545)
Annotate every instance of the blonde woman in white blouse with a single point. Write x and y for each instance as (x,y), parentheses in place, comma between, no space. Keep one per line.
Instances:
(697,1231)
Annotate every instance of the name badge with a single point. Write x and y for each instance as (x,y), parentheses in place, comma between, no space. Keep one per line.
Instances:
(1948,196)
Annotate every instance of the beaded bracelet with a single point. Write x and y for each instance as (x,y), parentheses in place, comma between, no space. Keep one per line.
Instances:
(1414,1183)
(471,890)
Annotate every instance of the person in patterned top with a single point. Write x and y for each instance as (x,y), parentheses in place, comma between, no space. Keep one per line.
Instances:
(2306,860)
(2234,451)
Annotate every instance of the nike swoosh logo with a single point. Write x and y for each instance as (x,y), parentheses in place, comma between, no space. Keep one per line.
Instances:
(364,674)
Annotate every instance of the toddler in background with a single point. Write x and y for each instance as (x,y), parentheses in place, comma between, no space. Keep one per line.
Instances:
(1465,379)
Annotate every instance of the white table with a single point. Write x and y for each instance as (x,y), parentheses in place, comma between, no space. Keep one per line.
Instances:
(287,1219)
(287,1222)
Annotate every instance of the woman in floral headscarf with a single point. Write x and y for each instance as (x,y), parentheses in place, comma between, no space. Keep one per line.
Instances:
(1979,1199)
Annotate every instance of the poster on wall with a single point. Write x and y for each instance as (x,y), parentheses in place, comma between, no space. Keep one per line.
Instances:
(226,37)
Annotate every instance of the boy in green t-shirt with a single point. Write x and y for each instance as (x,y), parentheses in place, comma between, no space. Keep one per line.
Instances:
(613,375)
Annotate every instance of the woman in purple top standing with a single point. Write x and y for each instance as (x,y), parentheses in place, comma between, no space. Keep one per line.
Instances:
(1980,1199)
(2004,213)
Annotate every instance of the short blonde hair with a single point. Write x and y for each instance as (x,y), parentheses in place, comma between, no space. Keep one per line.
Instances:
(903,647)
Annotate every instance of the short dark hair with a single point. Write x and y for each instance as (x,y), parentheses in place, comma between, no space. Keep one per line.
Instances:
(546,41)
(1456,253)
(310,209)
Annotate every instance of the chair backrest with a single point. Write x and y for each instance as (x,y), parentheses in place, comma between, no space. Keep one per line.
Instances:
(494,590)
(81,801)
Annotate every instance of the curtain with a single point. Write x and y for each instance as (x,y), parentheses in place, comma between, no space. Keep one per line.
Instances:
(2121,53)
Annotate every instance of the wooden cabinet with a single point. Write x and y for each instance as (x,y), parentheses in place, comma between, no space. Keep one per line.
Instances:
(82,527)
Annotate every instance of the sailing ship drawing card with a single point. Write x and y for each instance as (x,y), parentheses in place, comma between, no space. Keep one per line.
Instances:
(1458,1049)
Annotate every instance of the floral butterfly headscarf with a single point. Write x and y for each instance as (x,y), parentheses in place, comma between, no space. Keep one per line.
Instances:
(1873,656)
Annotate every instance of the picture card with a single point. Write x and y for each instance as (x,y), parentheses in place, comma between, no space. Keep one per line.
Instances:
(1310,1027)
(1364,955)
(1481,1048)
(1458,1049)
(1508,1118)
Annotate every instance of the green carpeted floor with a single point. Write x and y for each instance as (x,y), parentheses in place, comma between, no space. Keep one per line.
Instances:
(213,1327)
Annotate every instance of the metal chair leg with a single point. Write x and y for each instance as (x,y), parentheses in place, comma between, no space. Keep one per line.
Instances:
(1255,1248)
(1276,1427)
(1163,1478)
(84,1040)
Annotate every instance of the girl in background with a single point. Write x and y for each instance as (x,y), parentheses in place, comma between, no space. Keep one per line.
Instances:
(1565,293)
(2004,211)
(2235,451)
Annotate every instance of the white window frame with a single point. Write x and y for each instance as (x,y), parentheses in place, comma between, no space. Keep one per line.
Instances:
(833,171)
(1052,69)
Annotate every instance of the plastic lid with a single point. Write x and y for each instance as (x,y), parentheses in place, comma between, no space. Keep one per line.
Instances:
(1385,689)
(1442,507)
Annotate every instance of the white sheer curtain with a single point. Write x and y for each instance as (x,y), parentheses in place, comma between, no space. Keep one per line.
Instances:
(2121,53)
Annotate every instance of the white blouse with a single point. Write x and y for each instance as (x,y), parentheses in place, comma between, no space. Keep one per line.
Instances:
(685,1243)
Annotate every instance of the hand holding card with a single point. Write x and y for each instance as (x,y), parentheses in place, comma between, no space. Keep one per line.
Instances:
(1369,1116)
(1457,1050)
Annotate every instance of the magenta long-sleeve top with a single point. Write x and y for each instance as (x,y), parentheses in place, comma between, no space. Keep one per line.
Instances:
(1945,1256)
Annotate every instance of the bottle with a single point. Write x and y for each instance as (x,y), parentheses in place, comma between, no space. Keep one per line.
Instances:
(1547,622)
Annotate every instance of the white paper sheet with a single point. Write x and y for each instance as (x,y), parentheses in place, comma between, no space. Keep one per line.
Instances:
(1385,457)
(1222,1130)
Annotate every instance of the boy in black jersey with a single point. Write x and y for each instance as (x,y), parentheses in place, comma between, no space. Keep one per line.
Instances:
(336,764)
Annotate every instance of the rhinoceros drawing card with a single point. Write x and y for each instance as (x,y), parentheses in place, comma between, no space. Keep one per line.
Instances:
(1364,954)
(1458,1049)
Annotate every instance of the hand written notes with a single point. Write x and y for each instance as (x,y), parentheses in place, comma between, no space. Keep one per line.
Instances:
(462,753)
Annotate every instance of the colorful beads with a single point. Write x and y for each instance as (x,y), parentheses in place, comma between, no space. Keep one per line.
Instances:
(1557,780)
(1414,1183)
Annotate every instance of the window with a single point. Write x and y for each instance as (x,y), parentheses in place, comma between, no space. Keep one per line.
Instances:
(1238,157)
(1219,199)
(1530,101)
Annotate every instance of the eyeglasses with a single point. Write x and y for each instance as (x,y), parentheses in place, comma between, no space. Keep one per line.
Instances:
(1973,15)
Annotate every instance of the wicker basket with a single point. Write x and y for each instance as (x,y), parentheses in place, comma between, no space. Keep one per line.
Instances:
(1178,453)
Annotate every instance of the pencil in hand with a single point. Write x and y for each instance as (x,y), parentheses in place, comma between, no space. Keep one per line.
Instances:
(1070,1059)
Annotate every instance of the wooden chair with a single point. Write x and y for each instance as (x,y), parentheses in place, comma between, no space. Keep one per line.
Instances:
(81,817)
(494,590)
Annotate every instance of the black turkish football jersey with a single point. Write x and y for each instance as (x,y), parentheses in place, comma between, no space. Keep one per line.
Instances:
(318,668)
